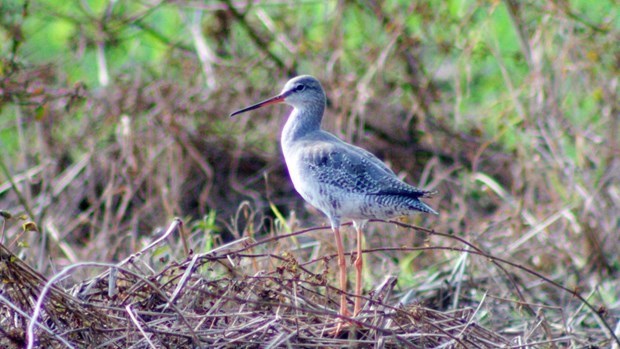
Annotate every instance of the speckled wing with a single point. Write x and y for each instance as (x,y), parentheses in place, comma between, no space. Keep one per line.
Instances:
(352,169)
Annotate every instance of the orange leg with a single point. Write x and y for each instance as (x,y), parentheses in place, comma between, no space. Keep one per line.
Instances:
(359,262)
(342,264)
(343,278)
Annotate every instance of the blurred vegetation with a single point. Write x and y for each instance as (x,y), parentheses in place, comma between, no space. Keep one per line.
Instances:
(114,119)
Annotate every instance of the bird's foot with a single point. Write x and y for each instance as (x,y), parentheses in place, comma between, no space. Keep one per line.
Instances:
(341,324)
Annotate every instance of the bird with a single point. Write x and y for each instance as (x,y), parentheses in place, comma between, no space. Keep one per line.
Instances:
(341,180)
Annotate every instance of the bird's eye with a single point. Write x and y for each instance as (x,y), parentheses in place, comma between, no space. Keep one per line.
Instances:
(299,88)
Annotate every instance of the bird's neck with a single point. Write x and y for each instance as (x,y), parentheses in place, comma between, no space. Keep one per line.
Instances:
(301,122)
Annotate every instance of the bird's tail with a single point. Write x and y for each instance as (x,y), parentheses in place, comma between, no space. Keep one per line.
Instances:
(429,193)
(421,206)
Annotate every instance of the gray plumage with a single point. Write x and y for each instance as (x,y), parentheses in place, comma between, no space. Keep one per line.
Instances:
(340,179)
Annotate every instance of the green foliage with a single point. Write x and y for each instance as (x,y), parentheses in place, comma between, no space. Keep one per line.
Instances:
(9,141)
(205,229)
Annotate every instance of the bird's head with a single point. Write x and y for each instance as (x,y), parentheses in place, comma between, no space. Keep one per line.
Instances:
(298,92)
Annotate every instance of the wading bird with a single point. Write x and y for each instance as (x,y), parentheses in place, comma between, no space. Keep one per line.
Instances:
(340,179)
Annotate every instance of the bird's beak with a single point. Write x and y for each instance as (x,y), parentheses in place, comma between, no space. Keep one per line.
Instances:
(273,100)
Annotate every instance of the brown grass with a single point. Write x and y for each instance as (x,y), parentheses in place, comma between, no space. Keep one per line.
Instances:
(524,252)
(242,294)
